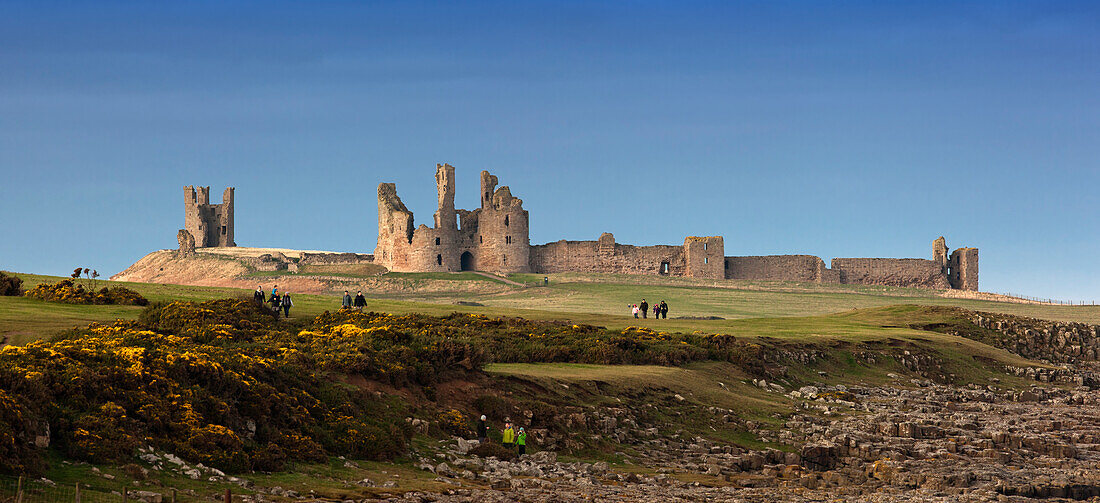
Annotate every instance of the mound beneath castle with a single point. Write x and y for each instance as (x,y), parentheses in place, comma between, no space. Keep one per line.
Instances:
(299,271)
(205,268)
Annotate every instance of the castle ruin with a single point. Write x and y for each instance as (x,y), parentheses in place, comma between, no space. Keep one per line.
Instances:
(208,225)
(494,238)
(491,238)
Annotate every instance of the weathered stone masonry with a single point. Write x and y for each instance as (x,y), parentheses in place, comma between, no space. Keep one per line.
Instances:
(495,238)
(208,224)
(491,238)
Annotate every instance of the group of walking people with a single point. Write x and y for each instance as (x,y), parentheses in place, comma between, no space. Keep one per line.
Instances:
(276,300)
(358,303)
(510,437)
(660,310)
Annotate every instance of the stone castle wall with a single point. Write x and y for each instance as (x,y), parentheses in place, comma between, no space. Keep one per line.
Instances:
(495,238)
(607,257)
(806,268)
(905,272)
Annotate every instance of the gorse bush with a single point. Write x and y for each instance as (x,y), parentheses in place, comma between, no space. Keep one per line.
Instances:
(10,285)
(226,384)
(225,402)
(69,293)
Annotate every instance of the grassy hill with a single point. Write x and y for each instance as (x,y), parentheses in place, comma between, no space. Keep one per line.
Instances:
(593,299)
(675,368)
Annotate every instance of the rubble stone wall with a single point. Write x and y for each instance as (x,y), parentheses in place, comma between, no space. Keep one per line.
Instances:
(807,268)
(335,258)
(1054,341)
(905,272)
(604,257)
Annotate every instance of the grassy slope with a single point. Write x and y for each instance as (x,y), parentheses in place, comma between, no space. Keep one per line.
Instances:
(756,311)
(797,316)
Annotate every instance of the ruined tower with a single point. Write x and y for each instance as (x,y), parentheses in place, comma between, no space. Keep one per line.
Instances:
(939,252)
(705,257)
(963,269)
(209,224)
(491,238)
(445,189)
(960,267)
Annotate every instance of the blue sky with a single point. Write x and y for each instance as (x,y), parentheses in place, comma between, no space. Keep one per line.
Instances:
(840,129)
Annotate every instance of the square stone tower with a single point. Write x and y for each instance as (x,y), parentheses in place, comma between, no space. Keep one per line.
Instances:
(963,268)
(705,257)
(209,224)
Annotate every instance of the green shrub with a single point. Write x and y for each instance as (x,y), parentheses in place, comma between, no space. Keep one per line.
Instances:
(10,285)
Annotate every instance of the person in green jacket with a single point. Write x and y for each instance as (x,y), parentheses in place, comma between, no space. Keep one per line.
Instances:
(509,437)
(521,441)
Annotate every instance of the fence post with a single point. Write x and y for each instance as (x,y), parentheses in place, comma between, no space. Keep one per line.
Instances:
(123,494)
(76,495)
(19,490)
(228,496)
(173,496)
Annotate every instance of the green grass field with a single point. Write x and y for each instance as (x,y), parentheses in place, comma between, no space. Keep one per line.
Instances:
(754,309)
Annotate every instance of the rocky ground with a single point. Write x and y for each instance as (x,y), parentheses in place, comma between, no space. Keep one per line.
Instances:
(917,441)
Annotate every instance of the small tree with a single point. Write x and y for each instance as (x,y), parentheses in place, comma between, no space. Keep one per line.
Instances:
(95,274)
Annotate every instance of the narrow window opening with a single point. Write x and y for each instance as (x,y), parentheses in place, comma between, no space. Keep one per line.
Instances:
(223,230)
(439,259)
(437,241)
(664,268)
(706,260)
(505,220)
(508,240)
(486,197)
(480,238)
(504,259)
(704,246)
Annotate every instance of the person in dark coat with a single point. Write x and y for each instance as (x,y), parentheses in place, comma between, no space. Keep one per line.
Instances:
(482,430)
(258,296)
(287,303)
(360,301)
(664,310)
(274,304)
(346,302)
(644,307)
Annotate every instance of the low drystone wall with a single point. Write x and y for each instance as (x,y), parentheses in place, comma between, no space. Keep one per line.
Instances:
(1054,341)
(335,258)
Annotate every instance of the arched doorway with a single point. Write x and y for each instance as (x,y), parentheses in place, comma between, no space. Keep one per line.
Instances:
(467,261)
